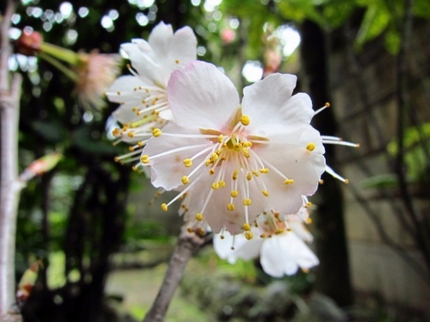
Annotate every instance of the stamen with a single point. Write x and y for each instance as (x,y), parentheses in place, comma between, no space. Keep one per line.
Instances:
(310,147)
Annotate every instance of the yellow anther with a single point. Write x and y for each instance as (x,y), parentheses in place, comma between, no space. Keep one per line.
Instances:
(246,227)
(327,104)
(214,157)
(156,132)
(249,176)
(190,230)
(234,175)
(245,153)
(310,147)
(263,236)
(130,134)
(211,171)
(279,231)
(164,207)
(215,186)
(185,179)
(230,207)
(177,61)
(208,162)
(144,158)
(188,163)
(289,181)
(308,221)
(199,216)
(249,235)
(140,144)
(222,237)
(234,193)
(220,138)
(245,120)
(200,231)
(221,183)
(247,144)
(308,204)
(264,170)
(247,202)
(265,193)
(134,168)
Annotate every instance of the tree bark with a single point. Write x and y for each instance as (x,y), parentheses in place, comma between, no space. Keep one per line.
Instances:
(333,277)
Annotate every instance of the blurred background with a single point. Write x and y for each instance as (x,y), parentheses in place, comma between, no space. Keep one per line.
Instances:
(104,248)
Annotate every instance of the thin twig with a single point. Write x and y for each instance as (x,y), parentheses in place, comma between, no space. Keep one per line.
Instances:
(186,246)
(10,184)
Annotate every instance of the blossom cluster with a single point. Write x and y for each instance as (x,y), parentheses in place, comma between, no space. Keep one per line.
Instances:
(243,168)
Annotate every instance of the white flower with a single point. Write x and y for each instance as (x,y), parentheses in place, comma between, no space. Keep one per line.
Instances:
(231,160)
(281,251)
(143,97)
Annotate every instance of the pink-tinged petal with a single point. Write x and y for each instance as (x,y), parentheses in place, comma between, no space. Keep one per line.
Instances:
(168,170)
(269,103)
(201,96)
(284,254)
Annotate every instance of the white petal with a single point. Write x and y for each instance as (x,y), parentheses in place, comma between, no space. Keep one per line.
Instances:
(123,91)
(145,63)
(201,96)
(242,248)
(284,254)
(268,102)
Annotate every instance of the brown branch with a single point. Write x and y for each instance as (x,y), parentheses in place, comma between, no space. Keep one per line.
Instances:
(186,246)
(10,184)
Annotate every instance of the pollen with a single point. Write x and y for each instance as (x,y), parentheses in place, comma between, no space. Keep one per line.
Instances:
(247,202)
(185,179)
(249,235)
(245,120)
(246,227)
(164,207)
(156,132)
(230,207)
(188,163)
(310,147)
(199,216)
(144,158)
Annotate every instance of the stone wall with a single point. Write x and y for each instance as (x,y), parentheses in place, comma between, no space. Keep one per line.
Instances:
(364,86)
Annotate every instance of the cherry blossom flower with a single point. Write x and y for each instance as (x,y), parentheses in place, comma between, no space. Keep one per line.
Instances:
(96,72)
(229,160)
(280,245)
(142,95)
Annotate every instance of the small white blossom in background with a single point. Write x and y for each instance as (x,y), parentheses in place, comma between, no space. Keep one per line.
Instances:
(142,96)
(230,160)
(96,72)
(280,244)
